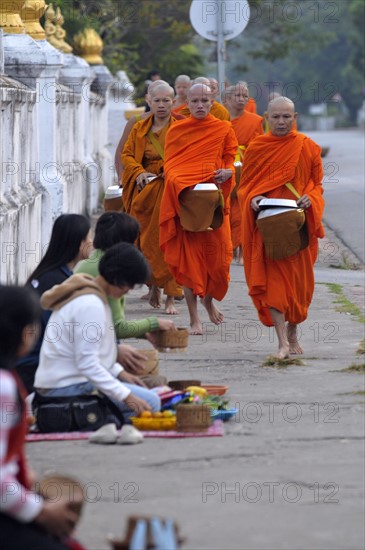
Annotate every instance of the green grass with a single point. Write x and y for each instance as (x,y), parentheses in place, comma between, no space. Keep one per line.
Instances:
(344,305)
(277,363)
(361,392)
(345,264)
(361,348)
(354,367)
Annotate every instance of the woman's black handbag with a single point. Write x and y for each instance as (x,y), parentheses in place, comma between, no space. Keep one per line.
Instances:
(81,413)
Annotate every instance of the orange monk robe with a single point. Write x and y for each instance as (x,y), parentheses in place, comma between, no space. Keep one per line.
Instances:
(270,161)
(250,106)
(194,149)
(179,108)
(140,155)
(217,110)
(246,127)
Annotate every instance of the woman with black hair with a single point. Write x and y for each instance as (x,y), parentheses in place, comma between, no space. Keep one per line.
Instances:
(113,228)
(26,520)
(83,354)
(71,241)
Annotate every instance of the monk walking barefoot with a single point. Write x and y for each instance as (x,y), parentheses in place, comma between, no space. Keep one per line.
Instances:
(143,185)
(280,329)
(247,126)
(215,315)
(196,327)
(170,308)
(155,297)
(294,347)
(198,149)
(282,164)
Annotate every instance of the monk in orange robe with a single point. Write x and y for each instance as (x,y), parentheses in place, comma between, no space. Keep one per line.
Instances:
(246,126)
(198,149)
(281,290)
(217,110)
(128,127)
(250,106)
(143,158)
(182,86)
(272,96)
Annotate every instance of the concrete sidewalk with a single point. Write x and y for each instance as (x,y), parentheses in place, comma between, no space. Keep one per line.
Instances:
(289,472)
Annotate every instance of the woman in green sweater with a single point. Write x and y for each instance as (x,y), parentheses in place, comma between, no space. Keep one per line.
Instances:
(113,228)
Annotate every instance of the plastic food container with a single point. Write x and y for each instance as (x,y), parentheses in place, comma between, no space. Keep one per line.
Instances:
(215,389)
(154,424)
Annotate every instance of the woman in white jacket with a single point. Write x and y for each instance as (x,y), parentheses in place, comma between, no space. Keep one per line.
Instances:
(79,350)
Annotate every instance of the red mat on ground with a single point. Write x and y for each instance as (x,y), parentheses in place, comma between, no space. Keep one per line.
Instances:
(215,430)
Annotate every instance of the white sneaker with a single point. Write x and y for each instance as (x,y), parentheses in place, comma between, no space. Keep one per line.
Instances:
(106,434)
(129,435)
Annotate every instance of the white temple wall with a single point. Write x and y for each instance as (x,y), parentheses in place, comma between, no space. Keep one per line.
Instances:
(20,192)
(53,149)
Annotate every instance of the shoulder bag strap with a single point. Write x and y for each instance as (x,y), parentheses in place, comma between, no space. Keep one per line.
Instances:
(157,145)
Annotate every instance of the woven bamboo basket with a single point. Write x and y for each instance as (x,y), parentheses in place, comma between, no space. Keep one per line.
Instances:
(172,340)
(151,363)
(56,487)
(192,418)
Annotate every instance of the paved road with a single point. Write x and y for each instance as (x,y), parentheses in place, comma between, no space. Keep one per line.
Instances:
(344,185)
(289,472)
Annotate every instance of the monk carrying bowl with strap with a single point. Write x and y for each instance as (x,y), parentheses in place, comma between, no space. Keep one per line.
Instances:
(282,227)
(201,208)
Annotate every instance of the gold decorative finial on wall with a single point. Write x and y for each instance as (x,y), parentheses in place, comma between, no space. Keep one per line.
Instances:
(54,32)
(31,13)
(89,46)
(10,20)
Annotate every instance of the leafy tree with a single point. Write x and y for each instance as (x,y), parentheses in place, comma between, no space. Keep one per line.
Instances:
(308,43)
(312,70)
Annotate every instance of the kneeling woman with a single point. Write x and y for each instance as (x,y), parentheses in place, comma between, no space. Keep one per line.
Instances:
(81,355)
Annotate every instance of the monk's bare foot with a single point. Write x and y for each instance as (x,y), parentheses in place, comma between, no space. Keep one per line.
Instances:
(215,315)
(294,347)
(170,308)
(283,352)
(155,297)
(196,328)
(146,296)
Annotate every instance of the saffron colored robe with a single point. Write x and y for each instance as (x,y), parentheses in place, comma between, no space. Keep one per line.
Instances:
(194,149)
(178,110)
(246,127)
(139,155)
(217,110)
(250,106)
(270,161)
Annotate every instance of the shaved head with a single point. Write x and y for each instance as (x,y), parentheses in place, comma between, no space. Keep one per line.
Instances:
(161,87)
(201,80)
(200,100)
(235,98)
(279,102)
(202,89)
(281,116)
(156,83)
(182,85)
(182,78)
(273,95)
